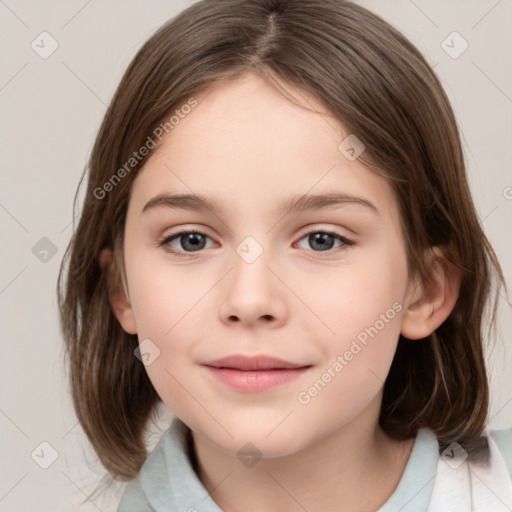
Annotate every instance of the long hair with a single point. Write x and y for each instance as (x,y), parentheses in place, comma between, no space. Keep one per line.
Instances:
(375,82)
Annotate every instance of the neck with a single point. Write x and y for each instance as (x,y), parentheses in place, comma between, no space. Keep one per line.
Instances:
(353,468)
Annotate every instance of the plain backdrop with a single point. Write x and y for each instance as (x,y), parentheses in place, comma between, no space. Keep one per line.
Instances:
(51,109)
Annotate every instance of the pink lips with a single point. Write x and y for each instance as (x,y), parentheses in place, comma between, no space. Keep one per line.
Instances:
(253,374)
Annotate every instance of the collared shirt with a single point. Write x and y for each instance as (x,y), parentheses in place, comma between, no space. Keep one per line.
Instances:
(431,482)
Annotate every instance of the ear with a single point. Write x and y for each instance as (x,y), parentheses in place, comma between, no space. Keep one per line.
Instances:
(118,295)
(430,302)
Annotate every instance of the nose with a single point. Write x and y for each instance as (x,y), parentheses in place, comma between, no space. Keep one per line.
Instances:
(253,294)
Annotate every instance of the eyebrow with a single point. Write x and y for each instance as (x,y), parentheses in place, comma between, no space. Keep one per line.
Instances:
(294,204)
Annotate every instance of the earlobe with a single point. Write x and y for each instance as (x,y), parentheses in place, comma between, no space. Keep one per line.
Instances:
(430,302)
(119,300)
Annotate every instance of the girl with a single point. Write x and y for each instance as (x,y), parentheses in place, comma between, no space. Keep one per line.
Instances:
(278,242)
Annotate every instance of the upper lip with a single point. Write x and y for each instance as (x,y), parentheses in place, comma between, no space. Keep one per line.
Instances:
(261,362)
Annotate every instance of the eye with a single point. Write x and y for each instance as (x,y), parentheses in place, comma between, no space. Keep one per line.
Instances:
(322,241)
(187,242)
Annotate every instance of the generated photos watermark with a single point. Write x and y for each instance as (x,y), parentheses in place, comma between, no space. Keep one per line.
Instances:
(356,346)
(137,156)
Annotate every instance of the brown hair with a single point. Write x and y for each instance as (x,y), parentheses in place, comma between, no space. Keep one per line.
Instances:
(375,82)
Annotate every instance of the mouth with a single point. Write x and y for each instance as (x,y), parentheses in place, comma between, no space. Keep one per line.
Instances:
(254,374)
(253,363)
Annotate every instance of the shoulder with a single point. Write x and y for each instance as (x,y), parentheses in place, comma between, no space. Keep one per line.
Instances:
(149,490)
(134,498)
(480,482)
(502,440)
(167,481)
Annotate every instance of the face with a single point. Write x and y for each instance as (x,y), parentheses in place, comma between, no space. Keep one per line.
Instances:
(320,286)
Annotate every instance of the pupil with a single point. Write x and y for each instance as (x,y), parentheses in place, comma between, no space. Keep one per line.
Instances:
(324,241)
(194,239)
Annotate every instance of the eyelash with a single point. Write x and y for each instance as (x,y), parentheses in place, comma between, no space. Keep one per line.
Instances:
(164,242)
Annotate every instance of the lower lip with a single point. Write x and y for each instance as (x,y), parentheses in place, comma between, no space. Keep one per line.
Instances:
(255,380)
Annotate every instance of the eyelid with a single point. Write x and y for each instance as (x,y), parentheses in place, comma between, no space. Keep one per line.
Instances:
(319,228)
(197,228)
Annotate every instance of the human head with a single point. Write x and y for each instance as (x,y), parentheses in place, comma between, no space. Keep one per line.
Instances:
(374,82)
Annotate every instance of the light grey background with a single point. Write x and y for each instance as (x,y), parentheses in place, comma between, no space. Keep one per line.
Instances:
(50,111)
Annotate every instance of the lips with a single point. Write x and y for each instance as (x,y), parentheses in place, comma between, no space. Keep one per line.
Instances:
(254,363)
(254,374)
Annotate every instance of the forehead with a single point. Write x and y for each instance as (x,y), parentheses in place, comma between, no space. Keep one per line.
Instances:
(245,142)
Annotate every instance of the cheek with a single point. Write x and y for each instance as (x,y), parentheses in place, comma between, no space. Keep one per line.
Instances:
(356,359)
(162,296)
(168,304)
(362,307)
(355,297)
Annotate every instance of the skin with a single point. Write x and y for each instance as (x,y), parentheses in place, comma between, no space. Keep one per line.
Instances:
(250,147)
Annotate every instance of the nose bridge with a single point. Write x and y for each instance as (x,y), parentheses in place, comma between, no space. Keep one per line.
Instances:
(250,250)
(250,265)
(252,288)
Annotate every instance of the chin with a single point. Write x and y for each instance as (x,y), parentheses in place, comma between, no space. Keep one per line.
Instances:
(257,438)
